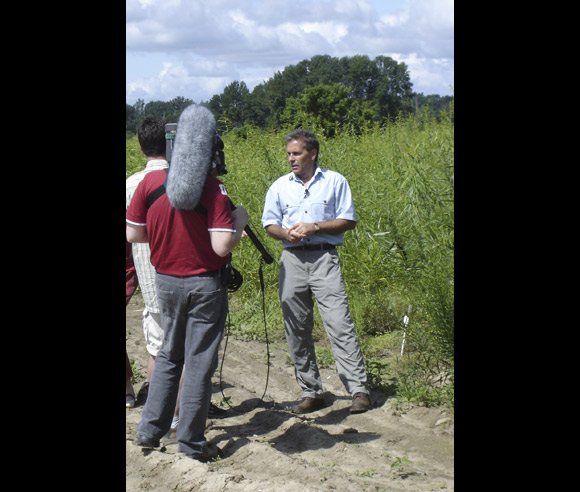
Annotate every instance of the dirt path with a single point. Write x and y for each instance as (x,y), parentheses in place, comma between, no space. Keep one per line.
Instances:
(269,449)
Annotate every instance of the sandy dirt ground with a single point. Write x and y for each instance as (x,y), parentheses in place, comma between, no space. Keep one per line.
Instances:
(266,448)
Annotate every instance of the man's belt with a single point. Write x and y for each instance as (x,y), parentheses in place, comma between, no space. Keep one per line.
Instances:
(312,247)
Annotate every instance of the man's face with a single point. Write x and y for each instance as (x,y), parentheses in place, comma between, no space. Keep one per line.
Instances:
(302,162)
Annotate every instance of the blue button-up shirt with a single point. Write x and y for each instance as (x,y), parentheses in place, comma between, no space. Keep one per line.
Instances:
(327,197)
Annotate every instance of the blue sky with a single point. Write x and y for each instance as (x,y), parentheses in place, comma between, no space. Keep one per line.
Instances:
(194,49)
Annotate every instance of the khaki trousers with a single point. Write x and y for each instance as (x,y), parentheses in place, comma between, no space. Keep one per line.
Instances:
(304,274)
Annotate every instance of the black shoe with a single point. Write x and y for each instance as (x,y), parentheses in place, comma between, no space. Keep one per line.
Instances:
(308,405)
(213,453)
(216,412)
(147,442)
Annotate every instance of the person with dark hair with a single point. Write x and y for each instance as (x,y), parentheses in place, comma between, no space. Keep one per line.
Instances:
(190,246)
(152,142)
(309,209)
(151,137)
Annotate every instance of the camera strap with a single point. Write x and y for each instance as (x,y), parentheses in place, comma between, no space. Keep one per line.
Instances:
(157,192)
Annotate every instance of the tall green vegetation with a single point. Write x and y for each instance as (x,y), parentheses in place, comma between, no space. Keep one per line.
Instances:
(397,262)
(134,159)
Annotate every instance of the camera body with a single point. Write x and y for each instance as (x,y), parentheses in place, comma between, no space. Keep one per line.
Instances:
(170,131)
(218,163)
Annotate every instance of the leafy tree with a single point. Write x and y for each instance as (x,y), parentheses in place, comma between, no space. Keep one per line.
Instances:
(156,108)
(323,69)
(361,75)
(383,83)
(139,108)
(394,89)
(257,107)
(276,91)
(215,105)
(168,110)
(139,111)
(361,114)
(436,105)
(234,101)
(373,91)
(134,115)
(176,106)
(129,119)
(323,105)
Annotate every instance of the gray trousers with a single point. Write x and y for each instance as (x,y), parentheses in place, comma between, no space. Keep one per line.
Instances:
(193,315)
(302,274)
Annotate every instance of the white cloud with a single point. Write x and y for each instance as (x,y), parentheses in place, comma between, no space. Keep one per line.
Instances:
(429,76)
(330,31)
(197,79)
(208,45)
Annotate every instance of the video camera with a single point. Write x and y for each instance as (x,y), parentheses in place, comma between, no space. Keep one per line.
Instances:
(219,159)
(219,165)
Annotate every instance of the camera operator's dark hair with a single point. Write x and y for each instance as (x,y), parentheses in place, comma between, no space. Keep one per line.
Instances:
(151,135)
(308,138)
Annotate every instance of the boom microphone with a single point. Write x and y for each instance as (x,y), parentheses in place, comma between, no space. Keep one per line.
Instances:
(191,148)
(191,157)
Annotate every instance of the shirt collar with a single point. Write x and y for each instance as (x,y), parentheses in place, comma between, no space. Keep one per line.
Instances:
(156,164)
(293,177)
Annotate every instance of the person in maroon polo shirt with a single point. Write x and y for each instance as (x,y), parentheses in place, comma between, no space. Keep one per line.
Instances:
(191,231)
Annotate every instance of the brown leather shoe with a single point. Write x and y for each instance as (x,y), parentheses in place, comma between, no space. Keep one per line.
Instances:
(308,405)
(360,403)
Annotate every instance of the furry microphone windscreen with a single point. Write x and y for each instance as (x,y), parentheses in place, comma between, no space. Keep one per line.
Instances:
(191,157)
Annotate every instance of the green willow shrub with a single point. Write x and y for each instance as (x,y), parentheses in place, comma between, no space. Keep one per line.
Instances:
(400,254)
(134,158)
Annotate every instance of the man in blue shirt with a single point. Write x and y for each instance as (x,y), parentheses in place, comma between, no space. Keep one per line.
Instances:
(309,209)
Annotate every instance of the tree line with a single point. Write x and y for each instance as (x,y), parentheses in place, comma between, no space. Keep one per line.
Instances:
(326,91)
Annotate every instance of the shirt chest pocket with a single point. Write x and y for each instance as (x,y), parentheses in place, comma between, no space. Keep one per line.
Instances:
(290,214)
(288,210)
(323,210)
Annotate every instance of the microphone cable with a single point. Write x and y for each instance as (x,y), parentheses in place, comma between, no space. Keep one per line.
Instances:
(225,399)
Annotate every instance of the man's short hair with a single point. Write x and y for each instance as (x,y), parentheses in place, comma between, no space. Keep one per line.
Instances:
(151,136)
(309,139)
